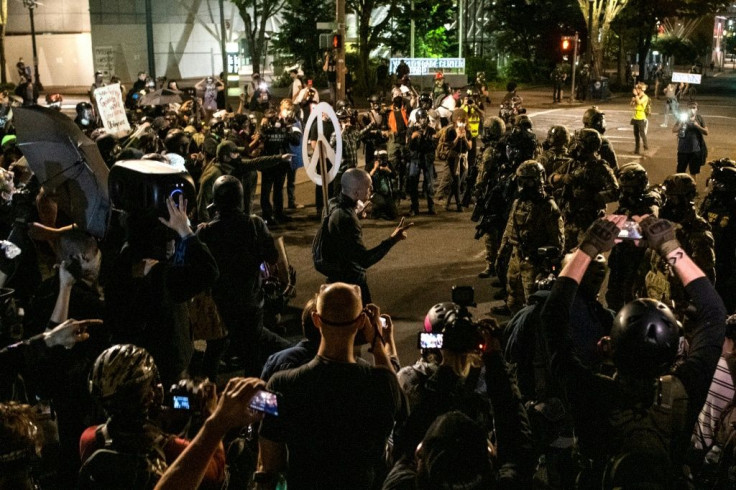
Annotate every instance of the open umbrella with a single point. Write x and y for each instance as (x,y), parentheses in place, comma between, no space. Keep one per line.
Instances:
(162,96)
(67,162)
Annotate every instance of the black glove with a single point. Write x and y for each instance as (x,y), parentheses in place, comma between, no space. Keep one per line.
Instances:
(660,235)
(599,238)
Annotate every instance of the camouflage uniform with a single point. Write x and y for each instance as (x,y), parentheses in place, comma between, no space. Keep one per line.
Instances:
(585,186)
(657,279)
(637,199)
(534,222)
(719,210)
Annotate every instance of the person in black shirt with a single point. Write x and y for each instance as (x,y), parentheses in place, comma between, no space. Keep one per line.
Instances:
(334,414)
(344,239)
(638,424)
(240,244)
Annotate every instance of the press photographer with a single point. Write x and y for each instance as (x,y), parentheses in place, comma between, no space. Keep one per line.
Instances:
(692,151)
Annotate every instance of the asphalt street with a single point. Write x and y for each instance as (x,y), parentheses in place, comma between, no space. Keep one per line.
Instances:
(441,251)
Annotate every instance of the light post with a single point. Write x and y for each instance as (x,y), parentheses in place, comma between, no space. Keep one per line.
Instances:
(589,50)
(31,5)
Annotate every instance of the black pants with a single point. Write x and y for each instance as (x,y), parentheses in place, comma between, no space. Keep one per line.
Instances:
(640,133)
(689,162)
(272,182)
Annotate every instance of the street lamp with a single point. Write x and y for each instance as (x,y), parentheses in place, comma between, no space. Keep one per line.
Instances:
(31,5)
(589,50)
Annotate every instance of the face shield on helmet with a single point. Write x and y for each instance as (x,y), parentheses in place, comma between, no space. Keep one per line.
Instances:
(679,192)
(530,177)
(633,180)
(425,102)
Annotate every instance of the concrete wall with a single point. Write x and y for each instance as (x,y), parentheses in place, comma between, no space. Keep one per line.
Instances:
(63,59)
(186,35)
(51,16)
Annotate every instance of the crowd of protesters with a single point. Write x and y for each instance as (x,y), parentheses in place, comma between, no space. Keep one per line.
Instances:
(99,387)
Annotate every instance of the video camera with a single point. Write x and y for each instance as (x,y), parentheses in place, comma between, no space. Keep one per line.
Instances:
(139,185)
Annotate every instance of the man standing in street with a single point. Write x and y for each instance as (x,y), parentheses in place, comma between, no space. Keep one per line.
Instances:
(334,414)
(343,243)
(691,149)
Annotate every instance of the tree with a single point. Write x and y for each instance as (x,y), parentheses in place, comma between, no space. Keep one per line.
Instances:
(370,34)
(432,38)
(255,14)
(531,30)
(299,34)
(603,13)
(3,25)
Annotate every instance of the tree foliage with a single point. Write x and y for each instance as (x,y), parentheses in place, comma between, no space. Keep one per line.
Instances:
(299,35)
(370,34)
(255,14)
(531,29)
(598,16)
(432,36)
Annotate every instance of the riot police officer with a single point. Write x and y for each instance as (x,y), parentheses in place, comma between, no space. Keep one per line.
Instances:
(719,209)
(85,119)
(422,144)
(587,184)
(556,152)
(637,199)
(593,118)
(535,221)
(693,233)
(485,212)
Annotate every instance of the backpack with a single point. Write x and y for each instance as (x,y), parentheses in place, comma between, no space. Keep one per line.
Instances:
(323,263)
(645,450)
(110,468)
(443,149)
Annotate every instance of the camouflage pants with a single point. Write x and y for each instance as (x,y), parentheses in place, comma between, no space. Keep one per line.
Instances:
(519,281)
(492,239)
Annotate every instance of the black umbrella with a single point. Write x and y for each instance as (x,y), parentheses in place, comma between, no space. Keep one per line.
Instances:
(67,162)
(162,96)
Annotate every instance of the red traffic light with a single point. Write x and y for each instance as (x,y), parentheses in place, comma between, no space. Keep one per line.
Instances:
(565,43)
(336,41)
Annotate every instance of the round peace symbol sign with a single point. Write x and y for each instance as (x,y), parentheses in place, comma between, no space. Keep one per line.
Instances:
(311,165)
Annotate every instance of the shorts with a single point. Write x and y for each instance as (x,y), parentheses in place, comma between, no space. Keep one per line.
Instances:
(689,162)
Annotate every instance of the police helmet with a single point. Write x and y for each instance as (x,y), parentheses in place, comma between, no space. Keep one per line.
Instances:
(341,104)
(342,114)
(644,338)
(723,177)
(595,119)
(227,194)
(493,128)
(122,377)
(633,179)
(425,101)
(226,148)
(558,136)
(681,185)
(530,174)
(589,140)
(521,145)
(439,315)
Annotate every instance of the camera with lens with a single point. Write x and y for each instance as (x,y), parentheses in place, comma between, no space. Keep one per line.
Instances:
(185,396)
(140,185)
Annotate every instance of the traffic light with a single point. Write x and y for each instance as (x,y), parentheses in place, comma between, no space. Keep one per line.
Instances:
(337,41)
(566,43)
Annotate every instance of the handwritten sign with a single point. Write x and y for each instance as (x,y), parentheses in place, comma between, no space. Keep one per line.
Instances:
(425,66)
(105,60)
(681,77)
(112,110)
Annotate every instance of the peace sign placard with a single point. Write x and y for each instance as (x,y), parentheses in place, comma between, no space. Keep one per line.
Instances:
(323,148)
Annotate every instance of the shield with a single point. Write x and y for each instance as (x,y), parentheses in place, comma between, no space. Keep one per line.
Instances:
(66,162)
(162,96)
